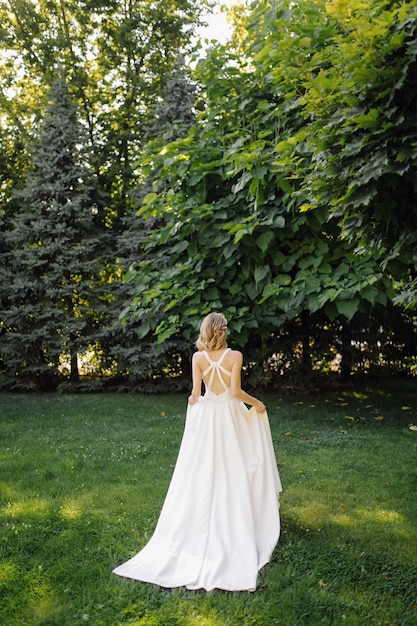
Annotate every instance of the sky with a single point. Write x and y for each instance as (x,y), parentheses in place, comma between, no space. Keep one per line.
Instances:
(217,26)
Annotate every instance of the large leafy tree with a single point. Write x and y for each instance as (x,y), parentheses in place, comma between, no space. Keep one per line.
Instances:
(368,156)
(348,67)
(233,233)
(53,293)
(116,56)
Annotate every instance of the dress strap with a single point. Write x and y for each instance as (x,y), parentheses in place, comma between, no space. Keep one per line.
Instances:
(216,366)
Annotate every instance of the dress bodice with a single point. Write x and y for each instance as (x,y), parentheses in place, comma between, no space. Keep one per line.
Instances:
(216,368)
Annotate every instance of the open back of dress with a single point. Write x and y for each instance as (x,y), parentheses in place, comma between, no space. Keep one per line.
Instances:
(220,520)
(215,374)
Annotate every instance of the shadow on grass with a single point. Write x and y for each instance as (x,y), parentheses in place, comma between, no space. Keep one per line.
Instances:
(350,575)
(81,495)
(56,570)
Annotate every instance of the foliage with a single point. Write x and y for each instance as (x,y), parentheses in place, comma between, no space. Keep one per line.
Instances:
(145,361)
(230,232)
(116,56)
(53,295)
(241,224)
(349,68)
(313,354)
(84,478)
(283,195)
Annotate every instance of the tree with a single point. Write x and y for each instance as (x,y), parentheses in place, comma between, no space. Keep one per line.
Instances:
(173,116)
(232,234)
(116,56)
(348,67)
(368,157)
(236,230)
(53,292)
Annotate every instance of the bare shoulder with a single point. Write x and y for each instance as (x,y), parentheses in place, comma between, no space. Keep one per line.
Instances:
(200,360)
(235,357)
(197,356)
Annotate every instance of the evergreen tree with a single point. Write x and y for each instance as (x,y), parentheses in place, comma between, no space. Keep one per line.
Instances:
(173,115)
(53,291)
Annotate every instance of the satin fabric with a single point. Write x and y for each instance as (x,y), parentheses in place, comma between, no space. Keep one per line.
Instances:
(220,520)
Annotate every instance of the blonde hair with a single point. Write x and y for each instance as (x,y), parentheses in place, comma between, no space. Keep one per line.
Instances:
(213,331)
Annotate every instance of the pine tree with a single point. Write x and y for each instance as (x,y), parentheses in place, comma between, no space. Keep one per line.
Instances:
(173,115)
(53,294)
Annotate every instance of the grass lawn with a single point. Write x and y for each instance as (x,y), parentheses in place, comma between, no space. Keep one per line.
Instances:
(83,478)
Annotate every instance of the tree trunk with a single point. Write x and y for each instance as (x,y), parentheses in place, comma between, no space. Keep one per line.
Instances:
(305,330)
(74,372)
(347,357)
(186,369)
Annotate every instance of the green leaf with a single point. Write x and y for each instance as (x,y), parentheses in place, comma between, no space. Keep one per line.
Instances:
(150,198)
(264,240)
(284,184)
(261,272)
(313,304)
(143,330)
(171,305)
(279,221)
(252,290)
(348,308)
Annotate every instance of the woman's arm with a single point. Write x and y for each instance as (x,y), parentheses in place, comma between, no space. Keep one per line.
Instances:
(197,379)
(236,384)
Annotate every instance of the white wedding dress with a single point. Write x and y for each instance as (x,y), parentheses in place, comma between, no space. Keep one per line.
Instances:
(220,520)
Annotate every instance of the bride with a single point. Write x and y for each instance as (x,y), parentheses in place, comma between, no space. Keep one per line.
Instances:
(220,522)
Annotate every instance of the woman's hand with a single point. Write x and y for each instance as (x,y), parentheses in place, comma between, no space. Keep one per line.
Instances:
(192,399)
(259,406)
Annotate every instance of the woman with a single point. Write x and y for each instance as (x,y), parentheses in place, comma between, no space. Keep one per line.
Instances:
(220,520)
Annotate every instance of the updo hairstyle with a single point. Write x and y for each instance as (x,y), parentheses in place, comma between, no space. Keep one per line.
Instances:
(213,331)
